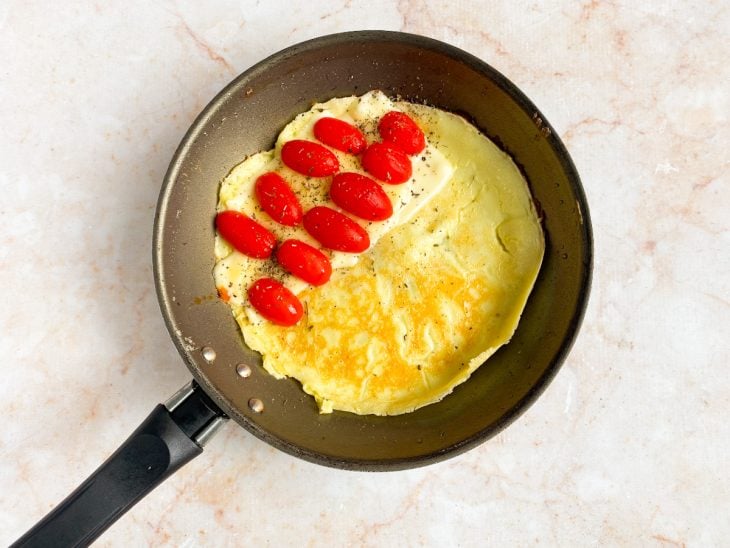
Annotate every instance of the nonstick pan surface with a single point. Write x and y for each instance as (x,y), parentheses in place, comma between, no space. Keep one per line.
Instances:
(229,380)
(246,118)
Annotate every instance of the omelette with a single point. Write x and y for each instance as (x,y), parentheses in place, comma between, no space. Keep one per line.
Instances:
(440,289)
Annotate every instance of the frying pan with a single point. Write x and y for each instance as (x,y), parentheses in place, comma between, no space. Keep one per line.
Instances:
(228,379)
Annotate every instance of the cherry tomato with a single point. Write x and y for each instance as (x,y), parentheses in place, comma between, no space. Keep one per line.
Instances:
(245,234)
(309,158)
(278,200)
(400,129)
(304,261)
(336,231)
(360,196)
(387,163)
(275,302)
(340,135)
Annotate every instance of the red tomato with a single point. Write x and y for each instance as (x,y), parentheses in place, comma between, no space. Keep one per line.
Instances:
(361,196)
(309,158)
(245,234)
(275,302)
(223,294)
(400,129)
(336,231)
(387,163)
(304,261)
(278,200)
(340,135)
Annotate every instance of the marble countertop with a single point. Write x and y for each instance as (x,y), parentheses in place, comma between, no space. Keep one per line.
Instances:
(628,446)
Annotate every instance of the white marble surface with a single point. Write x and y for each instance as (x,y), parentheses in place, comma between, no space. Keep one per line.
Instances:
(629,446)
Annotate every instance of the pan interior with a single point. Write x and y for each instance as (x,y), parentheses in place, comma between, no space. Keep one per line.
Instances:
(245,118)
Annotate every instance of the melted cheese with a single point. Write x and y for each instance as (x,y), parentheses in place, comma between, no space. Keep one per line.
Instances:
(235,272)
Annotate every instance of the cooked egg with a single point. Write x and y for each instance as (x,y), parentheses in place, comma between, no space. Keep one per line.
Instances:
(440,289)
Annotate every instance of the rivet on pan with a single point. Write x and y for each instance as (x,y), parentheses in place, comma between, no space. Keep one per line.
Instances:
(256,405)
(208,354)
(243,370)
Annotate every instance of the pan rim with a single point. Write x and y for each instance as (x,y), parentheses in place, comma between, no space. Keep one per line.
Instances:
(566,163)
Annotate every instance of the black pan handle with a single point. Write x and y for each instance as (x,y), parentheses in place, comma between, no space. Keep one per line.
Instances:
(171,436)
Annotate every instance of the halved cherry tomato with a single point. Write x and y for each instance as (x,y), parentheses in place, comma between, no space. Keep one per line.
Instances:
(309,158)
(275,302)
(278,200)
(336,231)
(245,234)
(387,163)
(360,196)
(340,135)
(304,261)
(400,129)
